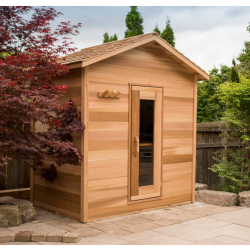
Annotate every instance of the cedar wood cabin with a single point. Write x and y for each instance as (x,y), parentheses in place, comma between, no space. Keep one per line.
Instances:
(139,146)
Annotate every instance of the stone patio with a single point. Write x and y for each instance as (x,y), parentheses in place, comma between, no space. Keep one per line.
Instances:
(191,224)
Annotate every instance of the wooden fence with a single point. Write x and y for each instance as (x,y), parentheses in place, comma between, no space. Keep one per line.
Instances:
(208,142)
(18,176)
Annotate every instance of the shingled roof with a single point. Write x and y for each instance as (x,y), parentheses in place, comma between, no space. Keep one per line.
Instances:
(94,52)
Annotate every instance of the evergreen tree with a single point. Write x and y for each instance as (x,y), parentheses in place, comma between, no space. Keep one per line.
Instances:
(133,22)
(113,38)
(234,77)
(156,29)
(168,34)
(105,38)
(244,58)
(209,105)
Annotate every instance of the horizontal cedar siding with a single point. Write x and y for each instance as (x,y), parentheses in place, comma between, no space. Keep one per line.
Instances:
(108,129)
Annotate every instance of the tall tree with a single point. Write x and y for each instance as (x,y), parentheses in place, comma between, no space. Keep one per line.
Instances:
(168,34)
(156,29)
(244,58)
(234,161)
(107,39)
(28,64)
(113,38)
(234,77)
(133,22)
(209,105)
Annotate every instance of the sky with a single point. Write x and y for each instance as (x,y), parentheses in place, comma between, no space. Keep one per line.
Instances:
(209,36)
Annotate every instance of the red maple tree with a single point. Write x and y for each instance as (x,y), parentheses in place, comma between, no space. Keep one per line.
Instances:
(29,50)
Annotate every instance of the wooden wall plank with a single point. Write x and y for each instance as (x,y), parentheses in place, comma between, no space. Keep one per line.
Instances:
(113,168)
(107,183)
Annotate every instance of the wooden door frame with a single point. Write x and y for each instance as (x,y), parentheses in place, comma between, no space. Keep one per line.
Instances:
(143,198)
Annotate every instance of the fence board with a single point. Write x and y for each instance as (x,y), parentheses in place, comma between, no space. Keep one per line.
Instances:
(18,176)
(208,142)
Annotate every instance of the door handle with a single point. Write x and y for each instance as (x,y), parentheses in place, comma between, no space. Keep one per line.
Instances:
(136,142)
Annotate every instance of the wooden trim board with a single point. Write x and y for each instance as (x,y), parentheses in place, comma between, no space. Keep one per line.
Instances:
(137,93)
(135,123)
(194,137)
(84,144)
(21,193)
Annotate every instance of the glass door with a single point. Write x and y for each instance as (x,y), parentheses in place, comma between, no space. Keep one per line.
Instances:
(146,142)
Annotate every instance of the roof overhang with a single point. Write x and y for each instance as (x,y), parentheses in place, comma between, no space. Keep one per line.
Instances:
(160,43)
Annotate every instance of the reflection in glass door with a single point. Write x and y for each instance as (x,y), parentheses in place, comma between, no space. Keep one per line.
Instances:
(146,138)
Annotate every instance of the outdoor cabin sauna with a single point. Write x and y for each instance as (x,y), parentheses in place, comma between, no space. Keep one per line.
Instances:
(139,108)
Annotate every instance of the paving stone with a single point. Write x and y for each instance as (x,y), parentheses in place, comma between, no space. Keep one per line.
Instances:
(106,226)
(59,221)
(160,239)
(137,220)
(225,209)
(65,227)
(239,217)
(78,225)
(244,199)
(136,228)
(191,216)
(48,217)
(37,227)
(114,219)
(166,222)
(39,236)
(7,237)
(206,212)
(161,215)
(117,232)
(223,240)
(206,223)
(87,231)
(237,231)
(184,216)
(122,223)
(21,243)
(55,236)
(186,232)
(219,198)
(179,211)
(72,237)
(103,239)
(140,235)
(23,236)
